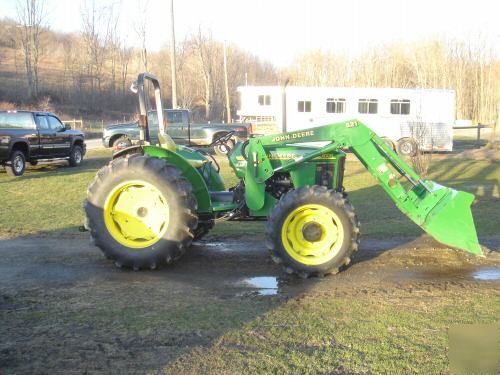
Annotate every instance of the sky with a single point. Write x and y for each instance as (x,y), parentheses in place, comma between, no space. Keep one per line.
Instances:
(280,30)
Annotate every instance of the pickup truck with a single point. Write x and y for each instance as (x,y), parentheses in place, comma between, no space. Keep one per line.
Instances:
(33,136)
(179,128)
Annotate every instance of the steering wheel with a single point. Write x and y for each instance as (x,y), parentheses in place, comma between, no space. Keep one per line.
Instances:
(223,139)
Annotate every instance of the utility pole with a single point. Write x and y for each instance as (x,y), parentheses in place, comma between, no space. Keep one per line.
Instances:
(228,107)
(172,56)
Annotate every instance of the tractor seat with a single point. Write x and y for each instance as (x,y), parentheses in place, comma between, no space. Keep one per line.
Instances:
(168,143)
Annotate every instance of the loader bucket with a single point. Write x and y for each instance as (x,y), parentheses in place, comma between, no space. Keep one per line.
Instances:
(450,221)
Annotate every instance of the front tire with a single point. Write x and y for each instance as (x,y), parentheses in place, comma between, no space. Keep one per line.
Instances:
(141,212)
(17,164)
(312,231)
(76,156)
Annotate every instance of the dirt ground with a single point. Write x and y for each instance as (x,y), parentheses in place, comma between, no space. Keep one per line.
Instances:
(64,308)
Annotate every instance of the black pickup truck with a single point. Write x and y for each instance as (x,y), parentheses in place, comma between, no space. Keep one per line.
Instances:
(33,136)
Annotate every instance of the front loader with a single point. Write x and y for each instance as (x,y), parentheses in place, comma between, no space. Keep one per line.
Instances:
(146,207)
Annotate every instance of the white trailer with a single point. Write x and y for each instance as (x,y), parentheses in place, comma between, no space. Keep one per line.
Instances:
(400,116)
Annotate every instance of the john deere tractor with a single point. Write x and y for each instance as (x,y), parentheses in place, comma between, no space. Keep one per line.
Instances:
(146,207)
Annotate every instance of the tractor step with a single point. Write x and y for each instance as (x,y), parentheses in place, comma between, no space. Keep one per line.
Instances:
(223,201)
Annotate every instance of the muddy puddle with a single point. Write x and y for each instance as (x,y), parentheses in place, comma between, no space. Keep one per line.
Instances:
(487,274)
(481,274)
(262,285)
(224,247)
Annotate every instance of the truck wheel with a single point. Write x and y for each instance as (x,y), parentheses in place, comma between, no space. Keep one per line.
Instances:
(141,212)
(17,164)
(121,143)
(222,149)
(76,156)
(407,147)
(312,231)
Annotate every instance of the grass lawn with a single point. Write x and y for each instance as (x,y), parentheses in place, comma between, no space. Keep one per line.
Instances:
(336,325)
(338,335)
(49,198)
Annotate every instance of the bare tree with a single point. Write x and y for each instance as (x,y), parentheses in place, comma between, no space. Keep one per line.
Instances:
(140,27)
(114,46)
(31,16)
(96,33)
(202,44)
(124,56)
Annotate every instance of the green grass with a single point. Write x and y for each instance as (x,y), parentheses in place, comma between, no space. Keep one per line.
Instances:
(338,335)
(49,198)
(383,331)
(337,330)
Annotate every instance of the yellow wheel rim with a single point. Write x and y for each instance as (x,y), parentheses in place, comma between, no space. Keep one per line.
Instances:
(136,214)
(312,234)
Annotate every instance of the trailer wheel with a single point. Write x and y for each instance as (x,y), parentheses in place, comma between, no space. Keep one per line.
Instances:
(389,143)
(407,147)
(312,231)
(141,212)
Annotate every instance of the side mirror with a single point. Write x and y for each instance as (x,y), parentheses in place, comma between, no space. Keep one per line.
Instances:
(67,127)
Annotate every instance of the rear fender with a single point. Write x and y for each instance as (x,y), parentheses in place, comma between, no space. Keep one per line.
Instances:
(200,189)
(128,150)
(22,145)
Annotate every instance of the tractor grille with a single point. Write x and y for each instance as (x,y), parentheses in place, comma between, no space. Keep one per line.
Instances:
(324,175)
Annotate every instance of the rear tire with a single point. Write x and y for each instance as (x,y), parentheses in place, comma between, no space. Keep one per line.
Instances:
(141,212)
(312,231)
(76,156)
(17,164)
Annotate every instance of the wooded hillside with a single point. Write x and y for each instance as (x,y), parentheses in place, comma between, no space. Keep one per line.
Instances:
(89,73)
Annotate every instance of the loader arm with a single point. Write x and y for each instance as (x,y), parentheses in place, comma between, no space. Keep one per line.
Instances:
(442,212)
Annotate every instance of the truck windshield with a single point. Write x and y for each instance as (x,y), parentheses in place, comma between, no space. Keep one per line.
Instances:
(16,120)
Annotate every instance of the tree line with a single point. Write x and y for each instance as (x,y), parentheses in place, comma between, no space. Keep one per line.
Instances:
(89,72)
(471,68)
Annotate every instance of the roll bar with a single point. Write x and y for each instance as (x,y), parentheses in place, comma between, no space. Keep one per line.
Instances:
(138,88)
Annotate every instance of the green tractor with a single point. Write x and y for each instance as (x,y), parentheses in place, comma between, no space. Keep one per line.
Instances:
(151,201)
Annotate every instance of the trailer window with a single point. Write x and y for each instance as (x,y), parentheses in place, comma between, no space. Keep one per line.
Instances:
(264,99)
(368,106)
(400,106)
(304,106)
(335,105)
